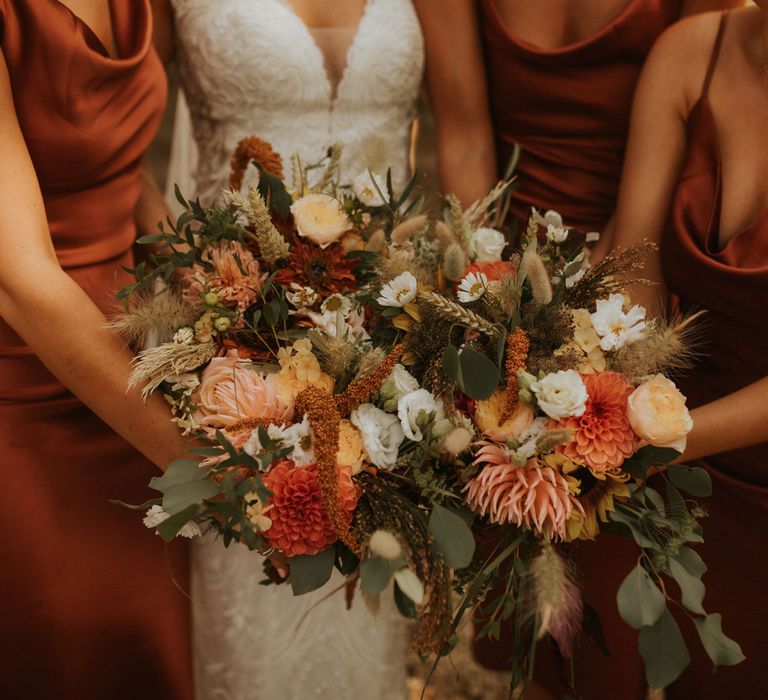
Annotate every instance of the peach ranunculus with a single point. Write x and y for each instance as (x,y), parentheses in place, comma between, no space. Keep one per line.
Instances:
(299,369)
(235,397)
(488,413)
(319,218)
(299,522)
(351,447)
(235,277)
(658,414)
(602,435)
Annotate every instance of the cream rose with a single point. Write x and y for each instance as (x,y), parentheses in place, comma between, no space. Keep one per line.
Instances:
(488,244)
(658,414)
(561,394)
(320,218)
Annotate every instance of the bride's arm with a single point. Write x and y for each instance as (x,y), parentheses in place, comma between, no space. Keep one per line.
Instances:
(458,96)
(53,314)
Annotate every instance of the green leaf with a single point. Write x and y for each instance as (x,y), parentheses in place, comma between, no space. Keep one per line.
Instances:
(647,457)
(690,586)
(663,650)
(140,506)
(480,376)
(151,238)
(722,650)
(169,528)
(451,365)
(692,562)
(693,480)
(453,537)
(180,471)
(309,572)
(640,601)
(634,527)
(177,498)
(273,191)
(375,573)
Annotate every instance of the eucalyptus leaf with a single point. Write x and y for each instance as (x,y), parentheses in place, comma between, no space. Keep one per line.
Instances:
(453,537)
(690,586)
(308,572)
(451,365)
(647,457)
(375,574)
(169,528)
(693,480)
(663,650)
(180,471)
(177,498)
(691,560)
(722,650)
(634,527)
(480,376)
(640,601)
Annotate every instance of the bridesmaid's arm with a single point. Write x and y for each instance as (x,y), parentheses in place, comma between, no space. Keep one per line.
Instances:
(669,85)
(53,314)
(456,83)
(692,7)
(151,207)
(737,420)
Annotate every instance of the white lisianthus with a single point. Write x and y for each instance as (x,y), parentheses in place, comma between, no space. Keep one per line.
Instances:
(488,244)
(472,287)
(156,515)
(369,189)
(382,434)
(336,303)
(319,218)
(399,383)
(301,297)
(415,410)
(561,394)
(615,327)
(399,291)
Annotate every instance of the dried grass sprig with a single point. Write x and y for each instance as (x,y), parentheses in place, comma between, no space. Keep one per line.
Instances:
(153,365)
(459,225)
(670,347)
(272,246)
(451,311)
(477,213)
(333,166)
(157,316)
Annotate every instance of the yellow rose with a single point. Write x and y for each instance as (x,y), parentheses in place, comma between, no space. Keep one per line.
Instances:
(351,448)
(658,414)
(488,413)
(320,218)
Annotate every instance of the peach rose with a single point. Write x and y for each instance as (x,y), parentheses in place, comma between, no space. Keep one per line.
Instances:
(233,394)
(351,448)
(488,413)
(658,414)
(320,218)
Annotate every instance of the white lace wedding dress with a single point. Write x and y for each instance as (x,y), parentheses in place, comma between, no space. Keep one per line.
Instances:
(252,67)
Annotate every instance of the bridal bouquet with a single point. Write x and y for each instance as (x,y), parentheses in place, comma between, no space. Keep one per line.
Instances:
(383,389)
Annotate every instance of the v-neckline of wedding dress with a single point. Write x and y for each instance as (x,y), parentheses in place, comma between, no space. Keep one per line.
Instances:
(333,93)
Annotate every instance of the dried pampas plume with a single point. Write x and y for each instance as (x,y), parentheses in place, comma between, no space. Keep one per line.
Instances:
(154,365)
(155,316)
(533,269)
(558,599)
(669,347)
(404,232)
(454,262)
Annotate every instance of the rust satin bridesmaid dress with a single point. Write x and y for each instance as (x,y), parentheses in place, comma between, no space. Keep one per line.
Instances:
(88,605)
(568,109)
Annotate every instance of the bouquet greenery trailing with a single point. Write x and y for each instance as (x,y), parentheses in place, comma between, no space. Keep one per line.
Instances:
(399,395)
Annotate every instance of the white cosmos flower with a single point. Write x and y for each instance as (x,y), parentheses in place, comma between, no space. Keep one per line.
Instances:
(488,244)
(382,434)
(472,287)
(369,189)
(615,327)
(399,291)
(561,394)
(337,303)
(415,410)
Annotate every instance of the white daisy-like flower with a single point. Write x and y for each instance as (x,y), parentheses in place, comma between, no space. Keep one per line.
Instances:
(301,297)
(472,287)
(336,303)
(298,437)
(399,291)
(156,515)
(190,530)
(616,328)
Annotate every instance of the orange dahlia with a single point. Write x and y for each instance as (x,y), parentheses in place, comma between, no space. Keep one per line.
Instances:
(300,524)
(534,496)
(493,270)
(602,435)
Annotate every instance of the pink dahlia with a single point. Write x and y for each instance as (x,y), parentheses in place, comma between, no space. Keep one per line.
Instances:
(533,496)
(300,524)
(602,435)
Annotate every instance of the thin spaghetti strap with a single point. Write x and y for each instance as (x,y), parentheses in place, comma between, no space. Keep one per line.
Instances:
(715,53)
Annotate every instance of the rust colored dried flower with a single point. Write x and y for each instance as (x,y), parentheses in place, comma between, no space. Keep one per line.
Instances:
(260,152)
(517,353)
(359,391)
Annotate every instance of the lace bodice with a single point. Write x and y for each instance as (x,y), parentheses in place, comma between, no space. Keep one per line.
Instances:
(252,67)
